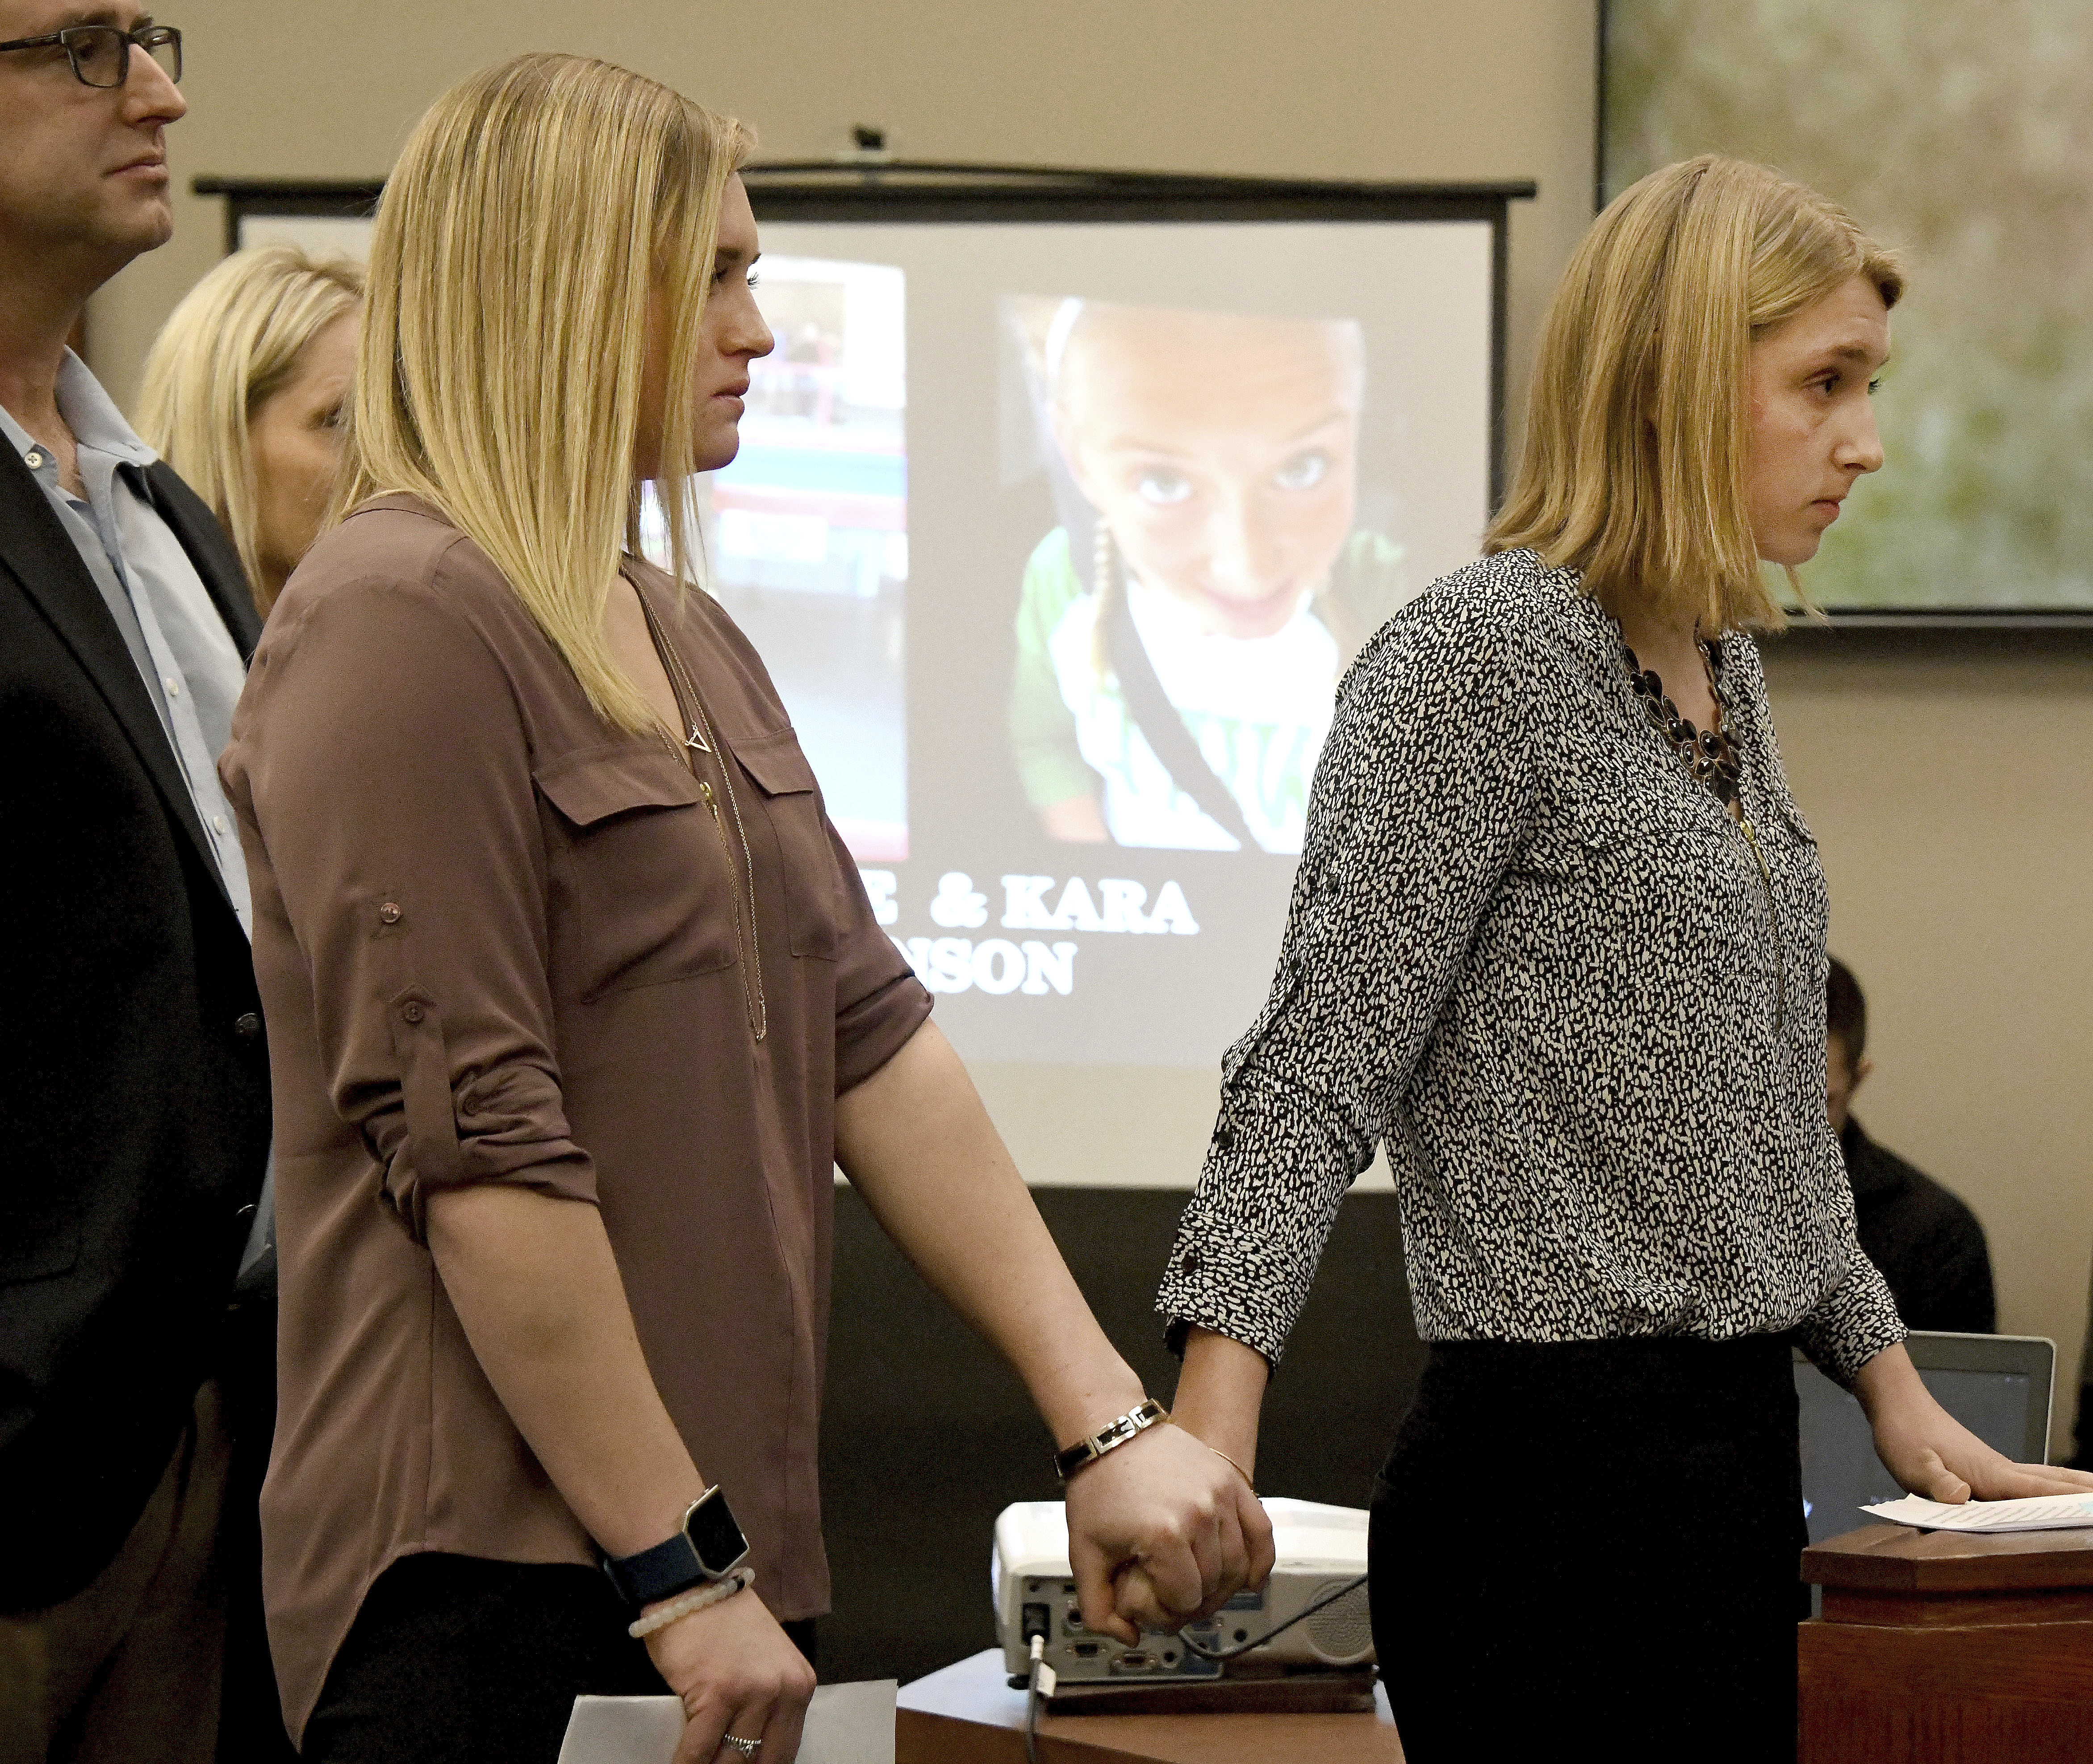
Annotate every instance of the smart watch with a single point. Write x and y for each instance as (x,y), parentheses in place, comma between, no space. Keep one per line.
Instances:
(708,1545)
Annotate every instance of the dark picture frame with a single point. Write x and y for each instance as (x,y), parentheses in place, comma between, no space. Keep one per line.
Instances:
(904,190)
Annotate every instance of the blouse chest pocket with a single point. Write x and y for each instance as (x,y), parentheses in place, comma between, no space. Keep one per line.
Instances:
(638,888)
(812,880)
(1613,824)
(1779,821)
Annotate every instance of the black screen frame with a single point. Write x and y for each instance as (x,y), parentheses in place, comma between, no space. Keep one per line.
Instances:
(895,191)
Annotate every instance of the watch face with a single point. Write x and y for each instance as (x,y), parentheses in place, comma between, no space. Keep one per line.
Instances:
(714,1535)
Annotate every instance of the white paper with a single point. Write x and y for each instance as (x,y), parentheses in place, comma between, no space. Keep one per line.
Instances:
(851,1724)
(845,1724)
(2038,1513)
(623,1730)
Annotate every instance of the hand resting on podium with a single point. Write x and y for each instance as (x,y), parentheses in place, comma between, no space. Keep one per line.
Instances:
(1931,1454)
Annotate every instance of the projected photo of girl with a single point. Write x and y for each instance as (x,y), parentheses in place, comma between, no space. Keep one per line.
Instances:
(1182,630)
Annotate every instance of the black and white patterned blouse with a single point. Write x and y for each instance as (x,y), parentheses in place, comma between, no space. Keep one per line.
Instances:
(1531,954)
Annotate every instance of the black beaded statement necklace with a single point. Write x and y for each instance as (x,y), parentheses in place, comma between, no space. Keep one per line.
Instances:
(1709,754)
(1712,757)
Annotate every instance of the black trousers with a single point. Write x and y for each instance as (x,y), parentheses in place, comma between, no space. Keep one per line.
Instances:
(1592,1546)
(250,1722)
(453,1659)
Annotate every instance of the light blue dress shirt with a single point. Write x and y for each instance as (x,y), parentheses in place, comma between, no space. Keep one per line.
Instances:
(187,660)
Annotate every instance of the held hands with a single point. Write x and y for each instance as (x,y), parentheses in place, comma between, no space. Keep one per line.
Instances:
(1161,1533)
(737,1672)
(1931,1454)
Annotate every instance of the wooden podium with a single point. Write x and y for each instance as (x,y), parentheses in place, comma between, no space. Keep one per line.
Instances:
(968,1714)
(1944,1647)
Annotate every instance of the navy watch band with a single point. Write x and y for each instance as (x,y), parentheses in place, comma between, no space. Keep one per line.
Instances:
(671,1567)
(708,1545)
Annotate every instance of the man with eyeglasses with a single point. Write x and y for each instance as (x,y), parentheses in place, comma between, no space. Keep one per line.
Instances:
(133,1070)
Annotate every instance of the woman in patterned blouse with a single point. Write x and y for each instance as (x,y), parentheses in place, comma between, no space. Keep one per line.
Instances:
(1564,952)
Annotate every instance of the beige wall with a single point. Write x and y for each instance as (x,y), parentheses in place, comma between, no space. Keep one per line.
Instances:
(1949,790)
(1950,786)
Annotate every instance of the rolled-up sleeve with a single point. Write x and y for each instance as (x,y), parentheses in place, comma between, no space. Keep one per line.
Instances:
(879,1003)
(1422,794)
(1857,1317)
(384,769)
(1853,1322)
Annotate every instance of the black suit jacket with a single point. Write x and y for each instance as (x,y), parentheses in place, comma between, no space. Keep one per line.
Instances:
(1927,1241)
(133,1070)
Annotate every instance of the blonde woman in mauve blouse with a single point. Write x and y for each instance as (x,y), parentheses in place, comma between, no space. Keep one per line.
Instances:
(575,1001)
(1558,942)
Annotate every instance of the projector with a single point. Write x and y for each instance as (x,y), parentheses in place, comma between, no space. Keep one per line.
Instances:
(1320,1548)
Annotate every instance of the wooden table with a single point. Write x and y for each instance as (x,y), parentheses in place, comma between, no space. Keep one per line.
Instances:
(968,1714)
(1947,1648)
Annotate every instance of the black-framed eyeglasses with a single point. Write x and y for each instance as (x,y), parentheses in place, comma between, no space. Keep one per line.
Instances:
(101,54)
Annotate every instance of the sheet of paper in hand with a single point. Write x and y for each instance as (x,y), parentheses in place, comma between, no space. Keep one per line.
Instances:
(845,1724)
(2039,1513)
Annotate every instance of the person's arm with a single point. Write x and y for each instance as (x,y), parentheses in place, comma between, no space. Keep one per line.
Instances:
(916,1141)
(1931,1454)
(1421,797)
(1857,1317)
(535,1285)
(1220,1393)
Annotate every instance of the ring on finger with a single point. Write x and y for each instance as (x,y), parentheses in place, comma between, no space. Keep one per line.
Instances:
(746,1748)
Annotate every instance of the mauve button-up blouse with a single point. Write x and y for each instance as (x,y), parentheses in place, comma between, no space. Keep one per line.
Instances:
(496,942)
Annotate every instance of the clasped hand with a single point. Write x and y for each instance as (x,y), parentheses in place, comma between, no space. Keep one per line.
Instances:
(1162,1532)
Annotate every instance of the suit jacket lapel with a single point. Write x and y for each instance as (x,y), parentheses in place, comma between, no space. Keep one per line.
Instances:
(36,550)
(217,564)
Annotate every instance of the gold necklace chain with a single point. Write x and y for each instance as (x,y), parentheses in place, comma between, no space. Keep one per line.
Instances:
(701,740)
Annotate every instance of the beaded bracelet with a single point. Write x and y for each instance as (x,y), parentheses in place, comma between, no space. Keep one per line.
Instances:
(715,1592)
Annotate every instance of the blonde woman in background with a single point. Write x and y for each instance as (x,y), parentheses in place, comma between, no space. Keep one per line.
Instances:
(576,1001)
(244,396)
